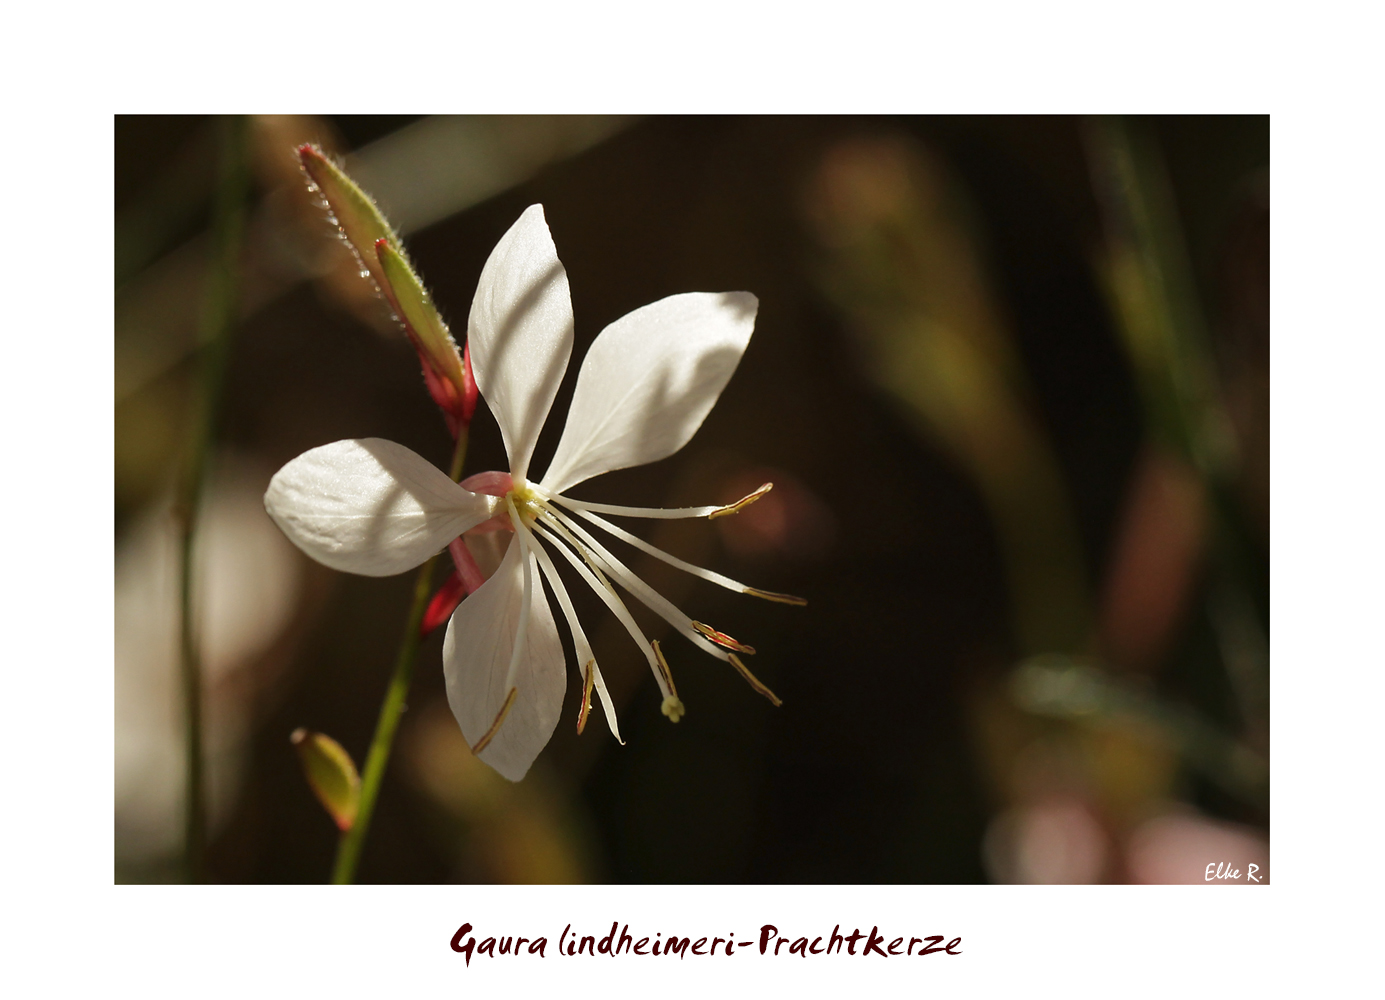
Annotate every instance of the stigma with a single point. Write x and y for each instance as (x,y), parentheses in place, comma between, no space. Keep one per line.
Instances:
(528,504)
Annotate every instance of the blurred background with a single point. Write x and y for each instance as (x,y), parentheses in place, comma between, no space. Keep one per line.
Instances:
(1010,377)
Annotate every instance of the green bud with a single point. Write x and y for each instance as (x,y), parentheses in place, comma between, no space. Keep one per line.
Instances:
(381,254)
(358,218)
(331,774)
(415,307)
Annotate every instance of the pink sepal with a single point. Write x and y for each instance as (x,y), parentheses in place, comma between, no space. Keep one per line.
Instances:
(467,570)
(442,605)
(469,390)
(495,484)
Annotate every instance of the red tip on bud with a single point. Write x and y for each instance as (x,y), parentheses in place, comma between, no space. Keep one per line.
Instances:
(331,775)
(443,391)
(443,371)
(442,605)
(469,390)
(313,161)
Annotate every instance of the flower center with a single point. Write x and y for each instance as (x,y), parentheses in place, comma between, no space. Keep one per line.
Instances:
(526,501)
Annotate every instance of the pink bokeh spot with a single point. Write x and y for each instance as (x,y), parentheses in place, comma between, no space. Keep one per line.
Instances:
(791,520)
(1054,842)
(1178,849)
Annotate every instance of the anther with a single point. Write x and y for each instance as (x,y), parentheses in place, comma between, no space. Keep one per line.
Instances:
(722,639)
(672,706)
(770,595)
(742,503)
(588,682)
(484,741)
(753,680)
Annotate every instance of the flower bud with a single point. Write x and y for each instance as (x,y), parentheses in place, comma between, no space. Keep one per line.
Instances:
(331,774)
(448,380)
(442,605)
(381,256)
(357,218)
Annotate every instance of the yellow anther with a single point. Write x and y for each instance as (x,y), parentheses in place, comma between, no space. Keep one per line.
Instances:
(742,503)
(484,741)
(673,708)
(588,682)
(722,639)
(753,680)
(770,595)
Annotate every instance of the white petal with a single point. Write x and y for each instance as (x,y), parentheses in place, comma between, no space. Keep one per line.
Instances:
(476,655)
(370,506)
(649,381)
(520,331)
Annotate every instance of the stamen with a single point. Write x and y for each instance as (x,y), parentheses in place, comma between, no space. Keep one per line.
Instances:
(659,512)
(588,682)
(579,644)
(485,741)
(652,599)
(596,557)
(770,595)
(522,628)
(742,503)
(672,706)
(614,603)
(722,639)
(670,513)
(663,667)
(687,567)
(553,520)
(753,680)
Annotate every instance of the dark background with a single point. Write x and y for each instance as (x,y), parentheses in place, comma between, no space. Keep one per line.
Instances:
(898,746)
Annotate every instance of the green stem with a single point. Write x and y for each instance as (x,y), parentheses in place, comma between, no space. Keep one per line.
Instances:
(349,847)
(218,318)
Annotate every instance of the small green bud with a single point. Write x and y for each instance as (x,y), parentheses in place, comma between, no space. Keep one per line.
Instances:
(331,774)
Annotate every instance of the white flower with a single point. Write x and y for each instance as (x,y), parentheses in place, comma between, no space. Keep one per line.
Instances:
(646,385)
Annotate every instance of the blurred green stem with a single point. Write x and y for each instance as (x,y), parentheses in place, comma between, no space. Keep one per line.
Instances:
(1150,278)
(218,318)
(349,847)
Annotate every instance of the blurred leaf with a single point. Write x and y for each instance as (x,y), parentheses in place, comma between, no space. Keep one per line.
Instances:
(167,203)
(331,774)
(1069,688)
(1150,280)
(497,831)
(1151,283)
(1156,555)
(902,258)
